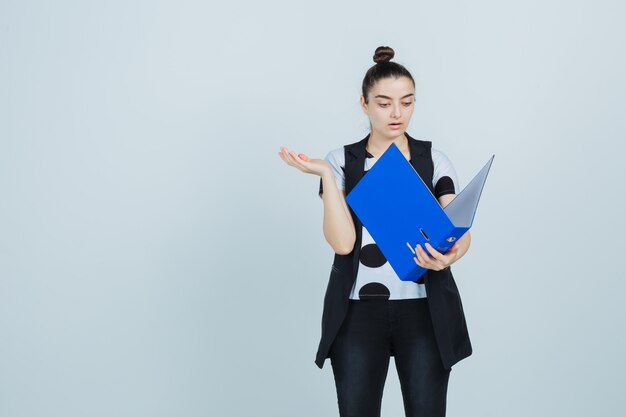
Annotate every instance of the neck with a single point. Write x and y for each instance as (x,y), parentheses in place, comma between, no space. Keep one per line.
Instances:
(378,144)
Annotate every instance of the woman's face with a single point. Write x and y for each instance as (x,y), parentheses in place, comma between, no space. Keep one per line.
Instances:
(391,101)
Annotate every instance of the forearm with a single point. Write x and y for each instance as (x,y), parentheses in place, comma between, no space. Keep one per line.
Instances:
(339,229)
(464,244)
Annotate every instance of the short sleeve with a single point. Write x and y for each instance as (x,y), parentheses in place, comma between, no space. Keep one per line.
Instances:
(445,180)
(335,159)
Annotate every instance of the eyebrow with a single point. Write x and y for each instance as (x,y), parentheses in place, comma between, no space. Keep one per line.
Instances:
(389,98)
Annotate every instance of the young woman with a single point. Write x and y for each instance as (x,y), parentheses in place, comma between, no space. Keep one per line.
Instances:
(369,313)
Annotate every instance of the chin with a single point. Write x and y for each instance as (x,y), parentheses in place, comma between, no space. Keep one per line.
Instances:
(395,133)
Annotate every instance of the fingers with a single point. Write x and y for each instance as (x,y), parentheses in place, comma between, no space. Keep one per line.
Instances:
(421,257)
(289,156)
(424,260)
(419,260)
(434,252)
(295,160)
(283,156)
(299,161)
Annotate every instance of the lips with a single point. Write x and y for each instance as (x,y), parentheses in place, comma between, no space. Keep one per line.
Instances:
(395,124)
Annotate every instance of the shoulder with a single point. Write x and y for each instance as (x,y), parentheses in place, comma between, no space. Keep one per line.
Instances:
(336,157)
(445,179)
(441,162)
(439,156)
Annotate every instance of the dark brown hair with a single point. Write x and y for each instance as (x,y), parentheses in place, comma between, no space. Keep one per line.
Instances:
(383,68)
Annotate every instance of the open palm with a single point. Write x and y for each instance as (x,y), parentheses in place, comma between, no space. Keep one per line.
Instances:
(303,162)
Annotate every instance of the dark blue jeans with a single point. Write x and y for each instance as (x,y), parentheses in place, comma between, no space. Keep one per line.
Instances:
(374,330)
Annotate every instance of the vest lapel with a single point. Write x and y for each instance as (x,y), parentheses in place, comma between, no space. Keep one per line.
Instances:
(422,160)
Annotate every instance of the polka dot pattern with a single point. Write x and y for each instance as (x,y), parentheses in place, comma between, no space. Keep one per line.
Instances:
(372,256)
(374,291)
(375,277)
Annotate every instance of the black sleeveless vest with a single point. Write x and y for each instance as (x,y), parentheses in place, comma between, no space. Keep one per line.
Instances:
(443,296)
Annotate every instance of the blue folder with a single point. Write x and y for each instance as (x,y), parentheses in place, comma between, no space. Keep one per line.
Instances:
(399,211)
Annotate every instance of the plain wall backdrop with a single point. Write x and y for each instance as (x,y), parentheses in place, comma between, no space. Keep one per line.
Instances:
(158,258)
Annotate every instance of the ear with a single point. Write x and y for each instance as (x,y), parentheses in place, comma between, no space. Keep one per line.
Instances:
(363,104)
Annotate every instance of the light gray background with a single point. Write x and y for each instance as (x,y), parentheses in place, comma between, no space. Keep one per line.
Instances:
(157,257)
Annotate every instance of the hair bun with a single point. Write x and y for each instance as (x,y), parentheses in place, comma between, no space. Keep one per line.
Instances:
(383,54)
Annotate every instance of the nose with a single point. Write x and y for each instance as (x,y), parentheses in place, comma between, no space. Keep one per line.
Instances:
(395,111)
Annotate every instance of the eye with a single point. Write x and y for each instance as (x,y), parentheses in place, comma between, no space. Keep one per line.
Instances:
(383,105)
(408,104)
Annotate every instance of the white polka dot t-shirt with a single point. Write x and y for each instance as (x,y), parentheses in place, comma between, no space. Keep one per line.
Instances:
(376,279)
